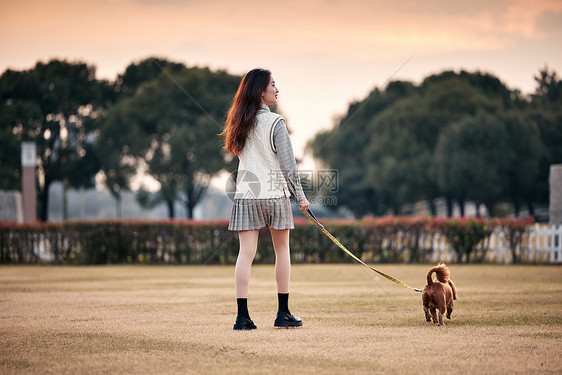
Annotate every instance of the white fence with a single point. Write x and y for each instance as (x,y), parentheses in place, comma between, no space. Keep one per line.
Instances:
(541,244)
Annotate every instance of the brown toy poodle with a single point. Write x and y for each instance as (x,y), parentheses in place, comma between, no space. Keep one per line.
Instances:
(438,294)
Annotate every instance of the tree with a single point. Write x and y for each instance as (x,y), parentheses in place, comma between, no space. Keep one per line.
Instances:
(486,84)
(173,122)
(116,133)
(389,140)
(400,153)
(111,150)
(49,104)
(136,74)
(523,168)
(342,148)
(545,110)
(451,97)
(19,113)
(549,88)
(472,158)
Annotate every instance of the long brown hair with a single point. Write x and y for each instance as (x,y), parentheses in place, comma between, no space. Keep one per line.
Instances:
(241,117)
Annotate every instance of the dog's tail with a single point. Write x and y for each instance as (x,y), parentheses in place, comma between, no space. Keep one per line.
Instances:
(452,284)
(442,273)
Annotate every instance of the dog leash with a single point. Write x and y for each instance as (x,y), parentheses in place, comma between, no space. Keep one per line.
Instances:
(308,213)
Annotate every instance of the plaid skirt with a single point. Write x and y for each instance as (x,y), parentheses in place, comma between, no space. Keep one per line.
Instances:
(250,214)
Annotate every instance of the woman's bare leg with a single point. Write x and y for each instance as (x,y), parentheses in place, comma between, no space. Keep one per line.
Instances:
(282,259)
(248,246)
(284,317)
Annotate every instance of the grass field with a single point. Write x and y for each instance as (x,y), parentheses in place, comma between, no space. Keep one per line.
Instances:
(112,319)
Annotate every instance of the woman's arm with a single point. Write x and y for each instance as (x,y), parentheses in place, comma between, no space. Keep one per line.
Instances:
(284,148)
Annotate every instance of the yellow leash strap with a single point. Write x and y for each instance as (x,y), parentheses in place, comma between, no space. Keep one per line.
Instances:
(308,213)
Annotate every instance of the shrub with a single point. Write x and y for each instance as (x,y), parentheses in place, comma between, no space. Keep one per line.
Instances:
(382,239)
(514,230)
(464,234)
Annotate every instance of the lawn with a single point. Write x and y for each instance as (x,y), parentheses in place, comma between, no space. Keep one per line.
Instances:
(127,319)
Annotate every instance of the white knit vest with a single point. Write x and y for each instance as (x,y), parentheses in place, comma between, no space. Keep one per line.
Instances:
(259,172)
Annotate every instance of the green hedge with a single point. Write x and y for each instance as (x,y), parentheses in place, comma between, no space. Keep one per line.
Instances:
(376,240)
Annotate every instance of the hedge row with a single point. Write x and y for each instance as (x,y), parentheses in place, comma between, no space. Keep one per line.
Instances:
(377,240)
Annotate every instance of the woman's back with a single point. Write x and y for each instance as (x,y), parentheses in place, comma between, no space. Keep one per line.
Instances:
(259,172)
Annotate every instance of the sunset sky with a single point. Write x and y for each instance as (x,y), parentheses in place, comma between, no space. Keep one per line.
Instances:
(323,53)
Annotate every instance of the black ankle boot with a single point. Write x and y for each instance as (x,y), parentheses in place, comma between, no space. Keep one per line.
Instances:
(286,320)
(244,324)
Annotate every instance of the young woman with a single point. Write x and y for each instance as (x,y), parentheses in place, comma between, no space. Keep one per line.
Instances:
(266,172)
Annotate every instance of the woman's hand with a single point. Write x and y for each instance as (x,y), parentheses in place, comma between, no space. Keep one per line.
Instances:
(303,204)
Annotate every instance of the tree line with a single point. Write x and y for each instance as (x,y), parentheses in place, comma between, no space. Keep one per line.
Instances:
(157,116)
(457,135)
(463,136)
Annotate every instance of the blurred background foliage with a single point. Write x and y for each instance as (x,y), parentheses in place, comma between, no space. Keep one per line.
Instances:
(158,116)
(461,136)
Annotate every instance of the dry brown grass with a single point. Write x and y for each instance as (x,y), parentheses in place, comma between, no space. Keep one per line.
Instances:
(508,319)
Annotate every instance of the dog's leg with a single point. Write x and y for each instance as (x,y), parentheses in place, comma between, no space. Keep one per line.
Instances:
(450,307)
(434,316)
(427,314)
(441,307)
